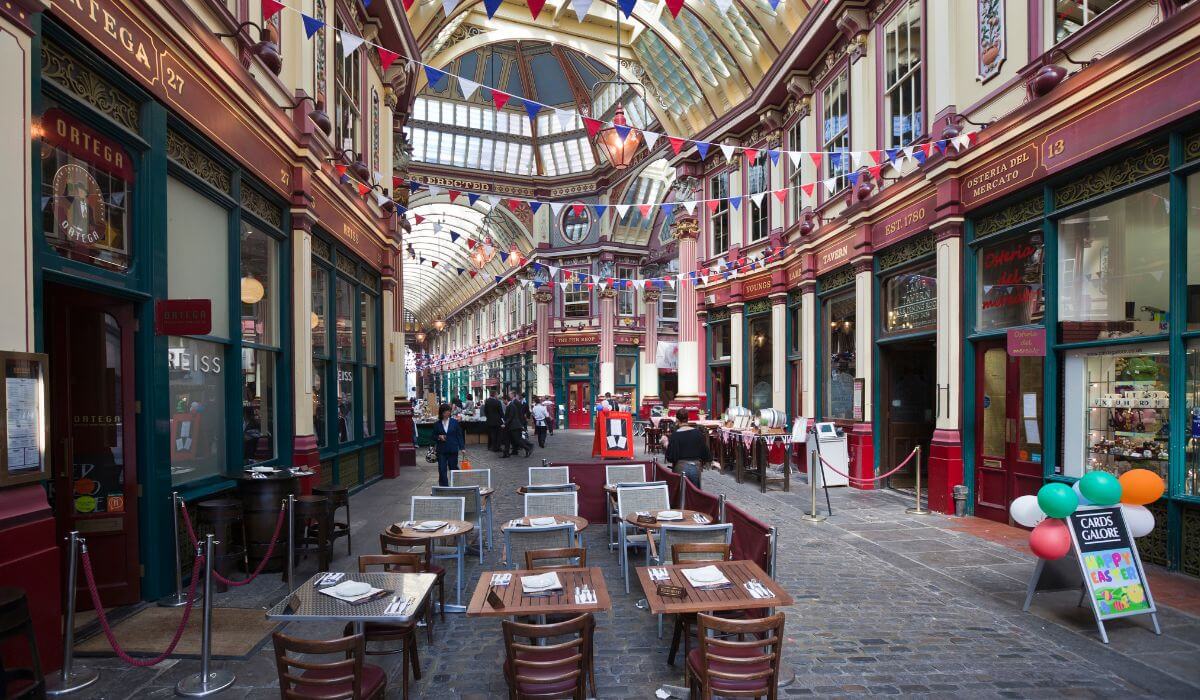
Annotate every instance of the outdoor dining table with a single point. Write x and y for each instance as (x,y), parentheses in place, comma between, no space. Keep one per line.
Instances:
(464,528)
(308,603)
(517,604)
(689,520)
(579,522)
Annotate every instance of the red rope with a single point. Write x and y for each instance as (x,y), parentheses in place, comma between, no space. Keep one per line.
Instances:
(187,521)
(197,567)
(868,481)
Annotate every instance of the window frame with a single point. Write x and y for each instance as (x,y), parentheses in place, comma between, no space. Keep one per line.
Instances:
(569,301)
(722,210)
(348,79)
(795,173)
(916,71)
(627,293)
(758,224)
(840,73)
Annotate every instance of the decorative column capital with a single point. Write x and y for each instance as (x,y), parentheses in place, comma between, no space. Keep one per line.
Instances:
(543,295)
(685,228)
(651,296)
(607,293)
(861,266)
(778,298)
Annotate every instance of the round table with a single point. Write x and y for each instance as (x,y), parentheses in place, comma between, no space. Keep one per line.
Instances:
(464,527)
(580,523)
(657,524)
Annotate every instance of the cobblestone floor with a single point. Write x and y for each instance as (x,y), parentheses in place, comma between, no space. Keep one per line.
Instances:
(887,604)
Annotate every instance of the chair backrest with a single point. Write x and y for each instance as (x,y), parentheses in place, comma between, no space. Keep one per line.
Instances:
(539,476)
(750,666)
(561,558)
(293,656)
(406,563)
(688,552)
(538,665)
(554,503)
(624,473)
(438,508)
(471,477)
(551,488)
(681,534)
(651,498)
(393,544)
(472,500)
(518,540)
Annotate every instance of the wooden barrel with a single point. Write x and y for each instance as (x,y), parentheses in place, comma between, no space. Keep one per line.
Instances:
(772,418)
(737,412)
(261,499)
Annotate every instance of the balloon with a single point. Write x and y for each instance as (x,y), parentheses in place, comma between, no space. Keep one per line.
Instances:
(1100,488)
(1057,500)
(1083,500)
(1141,486)
(1026,511)
(1139,519)
(1050,539)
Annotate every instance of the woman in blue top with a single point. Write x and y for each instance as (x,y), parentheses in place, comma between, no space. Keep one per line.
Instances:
(449,441)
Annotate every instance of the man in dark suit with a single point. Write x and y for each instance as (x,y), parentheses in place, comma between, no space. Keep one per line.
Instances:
(449,440)
(493,413)
(515,423)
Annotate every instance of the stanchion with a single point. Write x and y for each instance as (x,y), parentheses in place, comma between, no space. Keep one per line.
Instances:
(919,509)
(69,680)
(291,556)
(207,682)
(178,600)
(813,516)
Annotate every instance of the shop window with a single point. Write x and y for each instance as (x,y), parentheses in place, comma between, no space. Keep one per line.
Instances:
(319,392)
(1072,15)
(626,301)
(1009,286)
(902,76)
(841,366)
(797,335)
(577,301)
(1193,253)
(760,361)
(348,94)
(910,301)
(1116,409)
(796,174)
(1191,450)
(719,345)
(668,304)
(835,128)
(87,181)
(758,180)
(198,251)
(718,218)
(514,311)
(345,402)
(626,370)
(368,339)
(196,382)
(259,287)
(1113,265)
(258,405)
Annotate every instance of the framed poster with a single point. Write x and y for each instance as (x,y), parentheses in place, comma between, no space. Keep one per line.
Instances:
(23,428)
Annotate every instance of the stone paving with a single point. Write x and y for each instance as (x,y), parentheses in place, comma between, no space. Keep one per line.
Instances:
(886,604)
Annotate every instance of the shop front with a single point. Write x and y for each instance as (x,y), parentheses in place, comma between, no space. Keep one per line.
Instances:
(576,377)
(718,343)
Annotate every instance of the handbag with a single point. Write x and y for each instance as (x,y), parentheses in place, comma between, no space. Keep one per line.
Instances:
(431,455)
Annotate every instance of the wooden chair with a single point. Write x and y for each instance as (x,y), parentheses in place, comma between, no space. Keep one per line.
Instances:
(545,667)
(393,544)
(15,623)
(388,632)
(686,553)
(347,677)
(561,558)
(746,666)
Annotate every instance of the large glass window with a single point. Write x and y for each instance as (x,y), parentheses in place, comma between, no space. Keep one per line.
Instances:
(840,357)
(626,301)
(626,370)
(719,346)
(577,300)
(1113,265)
(259,290)
(576,222)
(760,361)
(835,128)
(718,218)
(196,382)
(347,94)
(910,301)
(1191,452)
(198,251)
(1072,15)
(1009,285)
(1193,253)
(795,172)
(668,304)
(797,314)
(902,76)
(368,338)
(759,180)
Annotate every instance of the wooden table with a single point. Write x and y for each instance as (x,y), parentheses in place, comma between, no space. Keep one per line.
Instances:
(306,603)
(696,601)
(465,528)
(517,604)
(580,523)
(564,487)
(686,522)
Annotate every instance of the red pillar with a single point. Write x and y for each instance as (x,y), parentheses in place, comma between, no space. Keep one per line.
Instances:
(862,455)
(307,455)
(406,434)
(30,560)
(945,469)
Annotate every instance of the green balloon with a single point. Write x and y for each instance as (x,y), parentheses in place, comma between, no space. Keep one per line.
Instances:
(1100,488)
(1057,500)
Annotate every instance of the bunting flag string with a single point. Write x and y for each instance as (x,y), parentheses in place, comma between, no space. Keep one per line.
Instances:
(351,42)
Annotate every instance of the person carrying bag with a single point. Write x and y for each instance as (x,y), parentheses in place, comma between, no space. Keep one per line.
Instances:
(449,441)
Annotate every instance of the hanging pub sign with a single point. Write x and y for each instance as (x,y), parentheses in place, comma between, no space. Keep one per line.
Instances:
(613,438)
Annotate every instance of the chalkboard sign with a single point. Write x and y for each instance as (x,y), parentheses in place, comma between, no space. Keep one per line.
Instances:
(1112,569)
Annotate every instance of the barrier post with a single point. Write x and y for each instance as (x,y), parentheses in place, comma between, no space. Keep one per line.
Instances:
(721,507)
(207,682)
(68,680)
(918,510)
(813,516)
(178,600)
(291,555)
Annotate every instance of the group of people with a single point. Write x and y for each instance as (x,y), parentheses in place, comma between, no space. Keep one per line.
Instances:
(507,424)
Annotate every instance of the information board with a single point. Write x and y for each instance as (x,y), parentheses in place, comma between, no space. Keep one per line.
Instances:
(1112,569)
(23,427)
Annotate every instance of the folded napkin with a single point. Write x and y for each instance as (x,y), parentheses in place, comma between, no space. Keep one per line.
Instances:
(670,515)
(659,574)
(548,520)
(705,577)
(333,592)
(430,525)
(585,595)
(541,583)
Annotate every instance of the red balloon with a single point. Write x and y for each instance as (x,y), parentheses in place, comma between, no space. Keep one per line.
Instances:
(1050,539)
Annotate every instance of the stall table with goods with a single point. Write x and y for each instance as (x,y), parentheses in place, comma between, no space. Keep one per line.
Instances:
(760,446)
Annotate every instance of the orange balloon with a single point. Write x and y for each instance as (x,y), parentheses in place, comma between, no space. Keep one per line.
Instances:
(1141,487)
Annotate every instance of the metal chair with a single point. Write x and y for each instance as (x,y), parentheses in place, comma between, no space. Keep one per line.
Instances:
(518,540)
(345,676)
(339,497)
(473,508)
(672,535)
(740,658)
(551,488)
(555,503)
(443,508)
(483,479)
(633,499)
(538,663)
(403,632)
(16,622)
(619,474)
(549,476)
(563,558)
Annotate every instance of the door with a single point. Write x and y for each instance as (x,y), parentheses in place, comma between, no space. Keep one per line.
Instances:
(910,377)
(89,340)
(579,404)
(719,398)
(1008,427)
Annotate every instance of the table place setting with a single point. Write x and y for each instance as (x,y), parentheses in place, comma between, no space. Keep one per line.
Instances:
(543,521)
(430,525)
(354,592)
(757,590)
(404,524)
(706,578)
(541,584)
(585,595)
(329,579)
(698,518)
(670,515)
(657,574)
(501,579)
(398,607)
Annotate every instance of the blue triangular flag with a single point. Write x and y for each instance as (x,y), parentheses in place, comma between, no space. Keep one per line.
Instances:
(736,202)
(421,260)
(892,153)
(600,209)
(667,209)
(941,146)
(503,258)
(454,236)
(460,270)
(401,209)
(491,6)
(537,284)
(853,178)
(534,205)
(774,4)
(433,75)
(531,108)
(622,131)
(627,7)
(413,185)
(835,161)
(497,277)
(774,153)
(311,24)
(537,267)
(919,154)
(472,198)
(702,148)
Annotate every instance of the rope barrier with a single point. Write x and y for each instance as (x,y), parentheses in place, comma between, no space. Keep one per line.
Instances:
(187,521)
(197,567)
(859,479)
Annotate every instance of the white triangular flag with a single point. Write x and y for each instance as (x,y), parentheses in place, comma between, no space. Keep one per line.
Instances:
(581,8)
(690,206)
(350,43)
(435,190)
(563,285)
(856,159)
(758,198)
(622,209)
(448,6)
(467,87)
(437,227)
(723,5)
(727,151)
(831,185)
(671,282)
(493,199)
(795,157)
(961,141)
(651,138)
(553,271)
(566,119)
(638,284)
(908,152)
(557,207)
(380,199)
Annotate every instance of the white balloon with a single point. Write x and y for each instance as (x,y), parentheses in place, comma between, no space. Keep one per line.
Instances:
(1139,519)
(1026,511)
(1082,500)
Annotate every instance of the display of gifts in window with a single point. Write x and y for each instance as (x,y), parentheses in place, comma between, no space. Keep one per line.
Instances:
(1129,408)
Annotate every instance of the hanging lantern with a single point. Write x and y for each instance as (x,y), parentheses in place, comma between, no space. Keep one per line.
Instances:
(420,337)
(514,257)
(439,324)
(620,151)
(252,290)
(485,251)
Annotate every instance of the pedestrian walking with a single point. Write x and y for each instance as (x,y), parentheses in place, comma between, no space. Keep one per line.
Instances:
(449,441)
(516,423)
(493,414)
(541,420)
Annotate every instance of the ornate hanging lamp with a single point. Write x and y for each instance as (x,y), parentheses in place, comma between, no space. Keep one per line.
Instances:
(618,140)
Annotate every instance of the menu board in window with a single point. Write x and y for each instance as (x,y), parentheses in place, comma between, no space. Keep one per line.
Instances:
(23,403)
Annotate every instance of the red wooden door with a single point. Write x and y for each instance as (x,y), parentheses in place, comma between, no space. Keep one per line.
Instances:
(1008,427)
(579,404)
(90,343)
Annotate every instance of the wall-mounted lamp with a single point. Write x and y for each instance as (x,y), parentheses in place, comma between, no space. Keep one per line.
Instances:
(317,114)
(355,161)
(266,50)
(1050,75)
(954,122)
(809,221)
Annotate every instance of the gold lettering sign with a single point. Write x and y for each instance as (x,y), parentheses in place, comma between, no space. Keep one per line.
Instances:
(757,286)
(114,28)
(349,234)
(1001,175)
(832,256)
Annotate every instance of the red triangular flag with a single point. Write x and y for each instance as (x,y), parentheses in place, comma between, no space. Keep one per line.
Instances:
(470,244)
(433,263)
(270,8)
(535,7)
(418,218)
(877,156)
(816,158)
(396,180)
(751,155)
(577,209)
(341,169)
(781,195)
(454,194)
(807,189)
(514,204)
(928,146)
(500,98)
(363,190)
(407,4)
(971,137)
(676,143)
(385,57)
(675,6)
(874,170)
(712,205)
(644,209)
(593,126)
(472,273)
